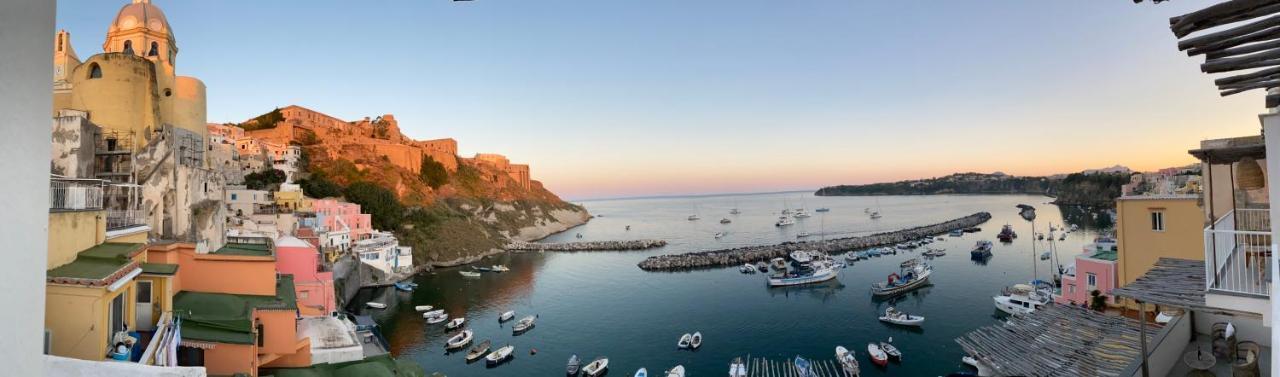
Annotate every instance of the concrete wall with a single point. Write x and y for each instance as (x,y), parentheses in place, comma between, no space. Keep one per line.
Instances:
(71,232)
(76,316)
(209,273)
(73,145)
(1140,246)
(26,28)
(226,359)
(1166,351)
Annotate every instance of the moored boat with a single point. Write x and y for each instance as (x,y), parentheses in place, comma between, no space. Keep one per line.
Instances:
(779,264)
(737,368)
(1007,234)
(803,367)
(405,287)
(523,325)
(762,266)
(423,308)
(725,220)
(475,353)
(437,318)
(695,341)
(596,367)
(784,221)
(376,305)
(911,279)
(822,209)
(499,268)
(877,355)
(678,371)
(891,351)
(506,316)
(684,341)
(848,361)
(894,316)
(469,274)
(956,233)
(432,313)
(1020,299)
(641,373)
(572,367)
(458,341)
(981,249)
(500,355)
(720,235)
(455,323)
(747,268)
(816,272)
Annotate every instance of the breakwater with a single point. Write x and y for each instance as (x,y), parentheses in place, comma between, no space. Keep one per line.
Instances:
(752,254)
(586,246)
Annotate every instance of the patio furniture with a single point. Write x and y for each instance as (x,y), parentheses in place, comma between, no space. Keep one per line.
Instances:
(1199,362)
(1246,361)
(1224,347)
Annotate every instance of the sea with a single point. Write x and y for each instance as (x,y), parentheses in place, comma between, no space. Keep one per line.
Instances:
(600,304)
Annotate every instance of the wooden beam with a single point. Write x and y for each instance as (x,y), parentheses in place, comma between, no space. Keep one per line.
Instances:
(1228,66)
(1260,74)
(1264,35)
(1221,14)
(1229,33)
(1244,88)
(1239,50)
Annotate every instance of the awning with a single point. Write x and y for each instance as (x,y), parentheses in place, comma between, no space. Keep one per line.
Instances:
(1178,283)
(1059,340)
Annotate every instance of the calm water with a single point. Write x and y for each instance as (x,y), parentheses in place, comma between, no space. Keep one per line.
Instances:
(600,303)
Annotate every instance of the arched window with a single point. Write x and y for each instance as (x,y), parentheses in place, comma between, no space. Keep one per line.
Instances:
(95,72)
(155,49)
(128,47)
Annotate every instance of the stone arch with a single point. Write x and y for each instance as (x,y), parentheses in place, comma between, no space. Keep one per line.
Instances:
(95,71)
(128,47)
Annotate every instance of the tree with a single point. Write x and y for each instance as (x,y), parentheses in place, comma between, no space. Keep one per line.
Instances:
(317,186)
(379,202)
(433,173)
(264,180)
(1097,301)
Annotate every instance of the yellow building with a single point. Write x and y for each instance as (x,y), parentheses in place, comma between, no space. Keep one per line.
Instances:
(293,200)
(1149,227)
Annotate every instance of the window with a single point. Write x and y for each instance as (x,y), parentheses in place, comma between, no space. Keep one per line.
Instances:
(1093,280)
(155,49)
(128,47)
(1071,289)
(1157,221)
(304,294)
(117,322)
(95,71)
(233,196)
(144,292)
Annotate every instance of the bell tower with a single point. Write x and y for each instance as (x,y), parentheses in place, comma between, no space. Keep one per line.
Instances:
(141,29)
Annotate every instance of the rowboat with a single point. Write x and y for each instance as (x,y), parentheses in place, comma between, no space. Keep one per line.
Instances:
(499,268)
(896,317)
(803,367)
(499,356)
(376,305)
(478,351)
(890,350)
(524,324)
(596,367)
(572,367)
(458,341)
(684,341)
(405,287)
(455,323)
(641,373)
(678,371)
(877,355)
(423,308)
(469,274)
(847,361)
(506,316)
(432,313)
(437,319)
(737,368)
(696,340)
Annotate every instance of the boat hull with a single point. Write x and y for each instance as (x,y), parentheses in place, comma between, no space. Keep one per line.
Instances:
(911,286)
(802,280)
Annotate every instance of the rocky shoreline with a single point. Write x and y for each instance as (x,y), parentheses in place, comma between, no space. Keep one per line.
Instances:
(752,254)
(586,246)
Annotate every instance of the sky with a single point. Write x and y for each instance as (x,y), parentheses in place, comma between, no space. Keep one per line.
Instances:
(612,98)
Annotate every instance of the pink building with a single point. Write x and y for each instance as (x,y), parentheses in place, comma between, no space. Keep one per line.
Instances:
(313,284)
(337,215)
(1095,269)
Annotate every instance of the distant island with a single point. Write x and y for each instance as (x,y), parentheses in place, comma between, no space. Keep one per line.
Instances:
(1094,188)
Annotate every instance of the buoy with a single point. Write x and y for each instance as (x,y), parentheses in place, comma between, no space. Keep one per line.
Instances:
(533,351)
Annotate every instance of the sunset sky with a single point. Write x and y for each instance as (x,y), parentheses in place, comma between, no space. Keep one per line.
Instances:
(660,97)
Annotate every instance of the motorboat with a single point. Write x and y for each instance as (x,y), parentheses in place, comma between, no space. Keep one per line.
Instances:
(956,232)
(475,353)
(981,250)
(423,308)
(803,234)
(785,221)
(800,214)
(803,367)
(719,235)
(596,367)
(678,371)
(983,370)
(694,218)
(469,274)
(875,215)
(801,256)
(893,352)
(1007,234)
(737,368)
(375,305)
(877,355)
(437,318)
(747,268)
(848,361)
(762,266)
(500,355)
(524,324)
(405,287)
(822,209)
(432,313)
(455,323)
(734,211)
(1046,255)
(779,264)
(908,280)
(1020,299)
(572,367)
(894,316)
(499,268)
(506,316)
(684,341)
(458,341)
(695,341)
(816,271)
(725,220)
(641,373)
(853,256)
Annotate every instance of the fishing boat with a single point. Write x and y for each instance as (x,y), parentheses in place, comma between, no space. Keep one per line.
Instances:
(405,287)
(455,323)
(784,221)
(1007,234)
(981,250)
(848,361)
(822,209)
(695,341)
(524,324)
(506,316)
(458,341)
(877,355)
(737,368)
(469,274)
(747,268)
(375,305)
(499,268)
(684,341)
(956,233)
(909,280)
(803,367)
(475,353)
(641,373)
(500,355)
(894,316)
(1020,299)
(816,271)
(909,263)
(437,318)
(432,313)
(889,349)
(596,367)
(572,367)
(423,308)
(725,220)
(678,371)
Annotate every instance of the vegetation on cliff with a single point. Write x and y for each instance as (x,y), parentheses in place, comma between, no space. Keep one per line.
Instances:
(1099,189)
(263,121)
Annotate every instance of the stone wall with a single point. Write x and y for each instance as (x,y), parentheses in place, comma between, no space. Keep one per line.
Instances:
(73,145)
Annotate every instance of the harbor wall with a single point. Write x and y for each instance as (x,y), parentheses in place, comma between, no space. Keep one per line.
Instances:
(752,254)
(587,245)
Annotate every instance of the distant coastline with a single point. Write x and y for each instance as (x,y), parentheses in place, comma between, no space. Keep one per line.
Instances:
(1093,190)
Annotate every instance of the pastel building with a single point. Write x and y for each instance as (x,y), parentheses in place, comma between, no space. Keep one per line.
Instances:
(1150,227)
(242,201)
(340,215)
(313,284)
(383,251)
(1095,269)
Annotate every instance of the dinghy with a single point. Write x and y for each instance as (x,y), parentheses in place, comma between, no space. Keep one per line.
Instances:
(747,268)
(847,361)
(678,371)
(376,305)
(458,341)
(896,317)
(571,368)
(684,341)
(803,367)
(506,316)
(499,356)
(762,266)
(696,340)
(737,368)
(455,323)
(437,318)
(433,313)
(523,325)
(499,268)
(478,351)
(877,355)
(642,373)
(469,274)
(889,349)
(596,367)
(423,308)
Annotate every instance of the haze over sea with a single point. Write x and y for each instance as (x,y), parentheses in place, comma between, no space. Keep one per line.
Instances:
(600,304)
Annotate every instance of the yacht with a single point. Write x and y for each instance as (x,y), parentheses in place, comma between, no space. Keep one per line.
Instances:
(847,361)
(785,221)
(1020,299)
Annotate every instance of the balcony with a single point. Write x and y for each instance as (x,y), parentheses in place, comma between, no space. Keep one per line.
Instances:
(124,206)
(67,194)
(1237,253)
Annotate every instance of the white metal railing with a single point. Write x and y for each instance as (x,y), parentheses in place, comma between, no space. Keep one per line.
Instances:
(75,194)
(1237,250)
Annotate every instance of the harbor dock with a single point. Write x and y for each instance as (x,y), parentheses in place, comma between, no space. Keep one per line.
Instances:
(752,254)
(586,245)
(760,367)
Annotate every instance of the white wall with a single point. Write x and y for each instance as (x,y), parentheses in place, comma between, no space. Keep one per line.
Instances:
(26,102)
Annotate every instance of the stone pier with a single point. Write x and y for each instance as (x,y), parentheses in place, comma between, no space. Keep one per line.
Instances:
(586,246)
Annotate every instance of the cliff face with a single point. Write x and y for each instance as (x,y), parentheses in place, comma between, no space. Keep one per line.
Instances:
(451,210)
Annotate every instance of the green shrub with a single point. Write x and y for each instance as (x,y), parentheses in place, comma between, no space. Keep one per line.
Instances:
(381,203)
(433,173)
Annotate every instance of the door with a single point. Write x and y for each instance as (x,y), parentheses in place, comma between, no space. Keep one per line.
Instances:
(143,308)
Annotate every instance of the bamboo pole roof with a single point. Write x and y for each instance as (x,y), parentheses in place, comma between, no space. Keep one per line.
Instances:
(1058,340)
(1173,282)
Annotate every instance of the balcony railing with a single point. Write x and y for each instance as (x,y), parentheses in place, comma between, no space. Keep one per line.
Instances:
(124,205)
(1237,253)
(75,194)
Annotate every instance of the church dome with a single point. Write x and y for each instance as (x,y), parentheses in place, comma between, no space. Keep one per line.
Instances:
(140,13)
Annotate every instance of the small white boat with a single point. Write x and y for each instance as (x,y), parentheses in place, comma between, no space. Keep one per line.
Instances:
(376,305)
(747,268)
(455,323)
(423,308)
(720,235)
(641,373)
(803,234)
(506,316)
(890,350)
(469,274)
(500,355)
(848,361)
(896,317)
(684,341)
(437,319)
(459,341)
(596,367)
(877,355)
(696,340)
(499,268)
(523,325)
(694,218)
(678,371)
(571,368)
(785,221)
(1020,299)
(737,368)
(433,313)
